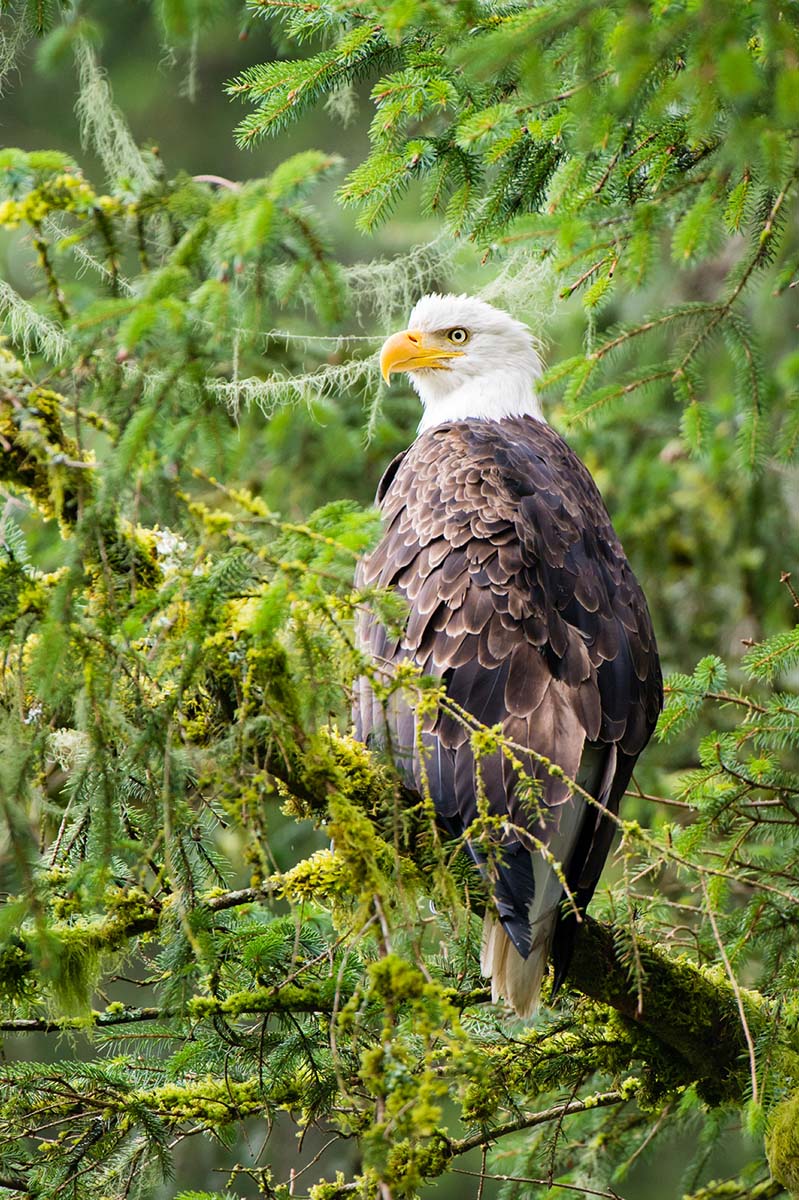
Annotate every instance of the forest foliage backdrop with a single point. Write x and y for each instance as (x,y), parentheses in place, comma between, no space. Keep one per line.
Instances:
(191,430)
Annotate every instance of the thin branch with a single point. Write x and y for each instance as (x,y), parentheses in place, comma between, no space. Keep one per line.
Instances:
(548,1183)
(97,1020)
(556,1113)
(723,310)
(750,1045)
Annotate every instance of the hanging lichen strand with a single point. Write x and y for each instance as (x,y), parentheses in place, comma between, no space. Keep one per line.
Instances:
(219,911)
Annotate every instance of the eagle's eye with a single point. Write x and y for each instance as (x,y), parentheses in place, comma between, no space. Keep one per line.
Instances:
(459,336)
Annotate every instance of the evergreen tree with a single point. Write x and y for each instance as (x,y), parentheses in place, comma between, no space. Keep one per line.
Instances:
(183,952)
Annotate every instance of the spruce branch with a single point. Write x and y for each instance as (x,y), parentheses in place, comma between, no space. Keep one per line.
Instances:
(549,1182)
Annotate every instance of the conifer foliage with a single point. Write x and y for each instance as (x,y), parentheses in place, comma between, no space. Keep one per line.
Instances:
(596,134)
(219,911)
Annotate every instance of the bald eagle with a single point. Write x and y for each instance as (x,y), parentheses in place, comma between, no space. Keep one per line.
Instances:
(522,602)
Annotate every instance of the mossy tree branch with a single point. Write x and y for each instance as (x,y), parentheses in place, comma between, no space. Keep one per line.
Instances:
(691,1015)
(685,1010)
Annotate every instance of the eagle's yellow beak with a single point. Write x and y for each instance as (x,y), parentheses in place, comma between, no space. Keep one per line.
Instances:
(407,351)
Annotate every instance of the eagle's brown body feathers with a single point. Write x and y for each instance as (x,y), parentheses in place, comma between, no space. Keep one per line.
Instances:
(522,601)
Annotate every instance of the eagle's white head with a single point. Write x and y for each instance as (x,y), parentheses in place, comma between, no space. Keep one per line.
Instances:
(466,358)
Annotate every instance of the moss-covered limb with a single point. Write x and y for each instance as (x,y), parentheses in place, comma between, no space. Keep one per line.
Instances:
(782,1143)
(80,945)
(134,913)
(113,1015)
(71,956)
(77,946)
(738,1189)
(684,1008)
(690,1012)
(324,997)
(235,899)
(212,1102)
(331,763)
(38,458)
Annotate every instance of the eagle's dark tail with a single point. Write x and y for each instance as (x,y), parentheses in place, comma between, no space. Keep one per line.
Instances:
(611,769)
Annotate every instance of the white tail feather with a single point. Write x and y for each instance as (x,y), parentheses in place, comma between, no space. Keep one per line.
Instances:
(515,979)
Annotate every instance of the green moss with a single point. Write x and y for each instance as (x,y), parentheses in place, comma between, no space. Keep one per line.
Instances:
(321,877)
(129,905)
(40,459)
(13,582)
(687,1009)
(367,782)
(16,965)
(734,1189)
(395,980)
(410,1162)
(120,550)
(310,998)
(329,1190)
(368,858)
(782,1143)
(212,1101)
(37,452)
(70,962)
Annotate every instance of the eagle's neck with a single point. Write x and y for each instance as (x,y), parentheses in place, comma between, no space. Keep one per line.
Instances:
(505,393)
